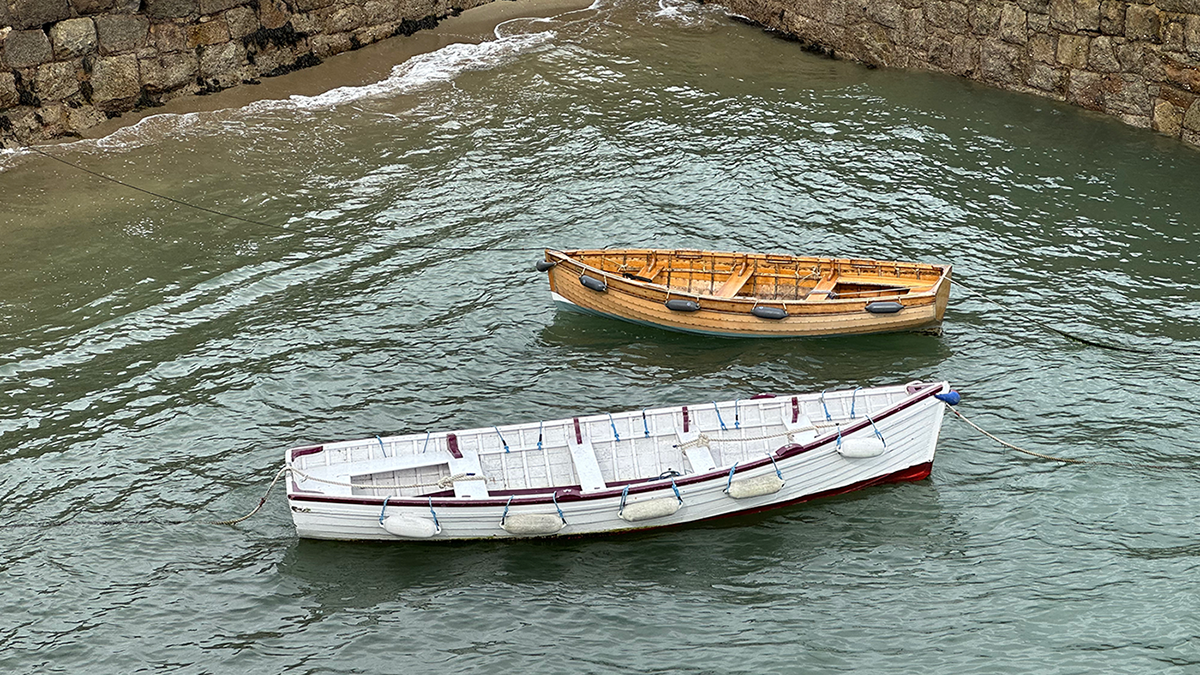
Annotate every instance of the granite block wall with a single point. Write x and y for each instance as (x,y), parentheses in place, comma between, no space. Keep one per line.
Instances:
(1137,60)
(66,65)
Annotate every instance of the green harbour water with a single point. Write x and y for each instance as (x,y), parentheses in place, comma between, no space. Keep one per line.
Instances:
(156,361)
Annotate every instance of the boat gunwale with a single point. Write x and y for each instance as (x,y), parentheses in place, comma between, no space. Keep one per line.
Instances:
(834,305)
(571,493)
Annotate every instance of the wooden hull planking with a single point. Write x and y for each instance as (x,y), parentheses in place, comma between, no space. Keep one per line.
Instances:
(821,296)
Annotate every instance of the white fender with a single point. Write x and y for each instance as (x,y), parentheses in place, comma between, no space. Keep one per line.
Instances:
(413,527)
(532,523)
(650,508)
(858,448)
(767,484)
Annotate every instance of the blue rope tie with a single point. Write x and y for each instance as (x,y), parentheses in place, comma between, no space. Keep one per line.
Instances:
(877,433)
(539,437)
(730,481)
(426,443)
(676,489)
(556,506)
(381,511)
(434,514)
(613,422)
(381,448)
(505,514)
(624,494)
(839,438)
(645,425)
(737,420)
(723,428)
(502,441)
(777,471)
(852,401)
(828,417)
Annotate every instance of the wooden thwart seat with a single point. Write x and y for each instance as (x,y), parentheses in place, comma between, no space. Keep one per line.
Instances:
(823,288)
(651,270)
(736,281)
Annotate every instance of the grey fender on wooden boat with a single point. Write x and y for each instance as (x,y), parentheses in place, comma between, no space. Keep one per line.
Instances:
(413,527)
(858,448)
(544,265)
(767,484)
(769,312)
(532,523)
(883,307)
(650,509)
(593,283)
(681,305)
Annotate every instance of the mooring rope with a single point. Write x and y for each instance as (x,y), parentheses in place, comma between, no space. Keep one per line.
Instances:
(1068,460)
(1052,329)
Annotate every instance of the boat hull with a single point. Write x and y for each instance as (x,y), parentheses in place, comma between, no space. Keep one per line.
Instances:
(796,471)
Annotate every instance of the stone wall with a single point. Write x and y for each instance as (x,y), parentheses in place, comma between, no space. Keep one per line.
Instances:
(1139,61)
(66,65)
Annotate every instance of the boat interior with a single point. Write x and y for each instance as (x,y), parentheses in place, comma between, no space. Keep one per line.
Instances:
(764,276)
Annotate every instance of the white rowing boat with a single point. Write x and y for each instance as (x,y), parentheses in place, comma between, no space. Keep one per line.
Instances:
(615,472)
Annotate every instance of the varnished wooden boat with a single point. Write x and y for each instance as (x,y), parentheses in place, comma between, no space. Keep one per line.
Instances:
(614,472)
(749,294)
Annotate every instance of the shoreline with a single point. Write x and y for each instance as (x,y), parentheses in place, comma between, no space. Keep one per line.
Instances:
(368,64)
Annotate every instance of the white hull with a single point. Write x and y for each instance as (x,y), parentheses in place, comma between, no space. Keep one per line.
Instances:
(576,480)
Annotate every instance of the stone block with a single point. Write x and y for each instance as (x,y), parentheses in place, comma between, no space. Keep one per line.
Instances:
(1001,63)
(328,45)
(1183,6)
(1127,94)
(966,56)
(1073,50)
(1043,47)
(886,13)
(1191,120)
(273,14)
(1102,55)
(118,33)
(27,14)
(1034,6)
(216,6)
(87,7)
(1191,34)
(207,33)
(26,48)
(169,71)
(56,81)
(1190,137)
(9,96)
(310,5)
(1139,121)
(241,21)
(73,37)
(308,23)
(1046,78)
(1172,33)
(1012,25)
(951,16)
(171,9)
(1143,22)
(380,12)
(1168,118)
(1038,23)
(346,19)
(1182,75)
(222,61)
(985,18)
(1112,17)
(83,117)
(1075,15)
(1086,89)
(168,37)
(912,29)
(116,82)
(1132,56)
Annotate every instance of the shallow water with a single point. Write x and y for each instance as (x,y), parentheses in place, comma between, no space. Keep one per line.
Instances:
(157,360)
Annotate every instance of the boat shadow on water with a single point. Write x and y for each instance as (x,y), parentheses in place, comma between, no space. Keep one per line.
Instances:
(836,535)
(855,358)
